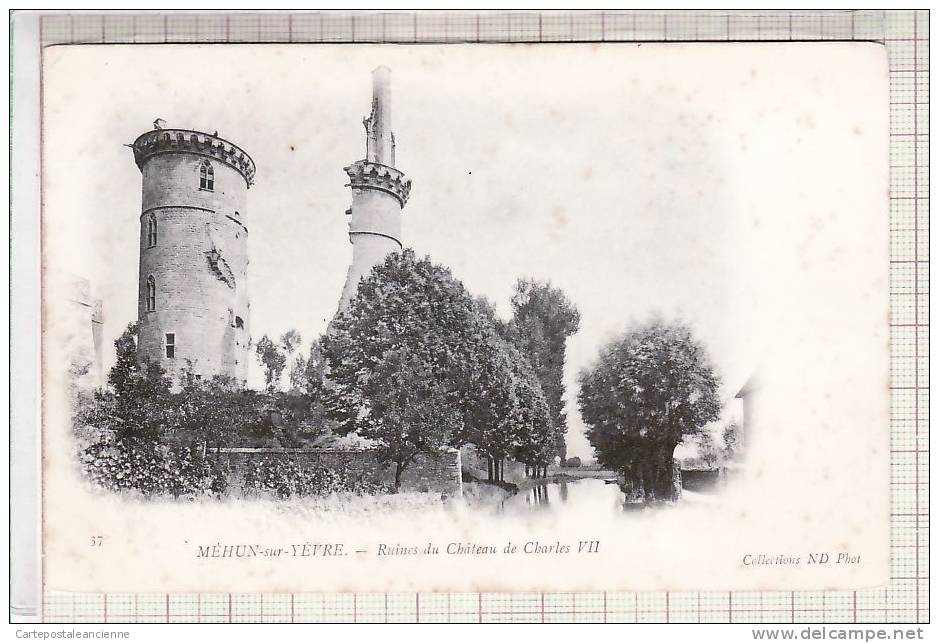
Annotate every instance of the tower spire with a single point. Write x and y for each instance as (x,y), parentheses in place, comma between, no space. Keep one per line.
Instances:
(379,191)
(380,143)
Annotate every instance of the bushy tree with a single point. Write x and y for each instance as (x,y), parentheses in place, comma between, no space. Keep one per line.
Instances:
(490,401)
(535,438)
(138,405)
(313,376)
(527,433)
(125,368)
(415,364)
(647,390)
(542,320)
(217,412)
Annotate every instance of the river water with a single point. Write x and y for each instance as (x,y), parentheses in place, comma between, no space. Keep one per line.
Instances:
(559,497)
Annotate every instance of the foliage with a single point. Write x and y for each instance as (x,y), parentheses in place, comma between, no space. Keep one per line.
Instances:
(140,405)
(542,320)
(285,477)
(297,377)
(272,358)
(415,363)
(290,341)
(142,435)
(214,412)
(125,368)
(391,358)
(647,390)
(731,439)
(314,370)
(307,380)
(151,469)
(573,463)
(707,449)
(535,440)
(527,432)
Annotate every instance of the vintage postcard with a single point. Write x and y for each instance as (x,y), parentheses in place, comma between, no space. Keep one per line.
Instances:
(465,317)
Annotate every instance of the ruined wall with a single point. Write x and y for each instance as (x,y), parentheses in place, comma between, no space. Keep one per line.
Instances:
(199,265)
(440,474)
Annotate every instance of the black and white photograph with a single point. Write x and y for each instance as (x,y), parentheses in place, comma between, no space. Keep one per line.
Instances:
(497,317)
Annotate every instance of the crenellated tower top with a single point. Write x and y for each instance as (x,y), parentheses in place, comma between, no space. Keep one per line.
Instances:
(162,141)
(377,170)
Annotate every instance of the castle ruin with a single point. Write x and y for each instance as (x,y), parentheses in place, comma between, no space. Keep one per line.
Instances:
(379,191)
(193,309)
(192,306)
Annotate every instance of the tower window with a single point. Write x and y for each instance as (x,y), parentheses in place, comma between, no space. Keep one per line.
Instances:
(151,294)
(206,176)
(151,231)
(239,322)
(170,345)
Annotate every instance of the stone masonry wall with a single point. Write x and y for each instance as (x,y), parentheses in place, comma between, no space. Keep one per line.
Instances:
(440,474)
(199,265)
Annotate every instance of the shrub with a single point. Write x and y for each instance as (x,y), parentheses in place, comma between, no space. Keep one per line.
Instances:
(572,463)
(151,469)
(285,477)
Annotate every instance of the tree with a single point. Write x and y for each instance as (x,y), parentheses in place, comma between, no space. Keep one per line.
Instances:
(414,364)
(530,437)
(291,341)
(314,371)
(535,439)
(142,435)
(731,438)
(216,412)
(707,449)
(125,368)
(411,412)
(490,401)
(134,422)
(273,360)
(298,374)
(138,406)
(647,390)
(542,320)
(391,357)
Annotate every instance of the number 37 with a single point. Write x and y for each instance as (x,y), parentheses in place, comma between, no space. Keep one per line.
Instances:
(97,541)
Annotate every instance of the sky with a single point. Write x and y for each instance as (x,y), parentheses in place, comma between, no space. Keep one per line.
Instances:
(644,181)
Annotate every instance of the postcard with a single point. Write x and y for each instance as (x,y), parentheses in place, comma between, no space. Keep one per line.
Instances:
(532,317)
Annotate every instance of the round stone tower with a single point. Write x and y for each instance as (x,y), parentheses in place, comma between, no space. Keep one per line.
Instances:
(379,191)
(192,305)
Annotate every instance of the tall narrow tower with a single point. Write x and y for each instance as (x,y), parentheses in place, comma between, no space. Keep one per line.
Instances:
(192,305)
(379,191)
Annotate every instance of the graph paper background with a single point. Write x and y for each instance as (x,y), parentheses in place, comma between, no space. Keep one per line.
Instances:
(904,599)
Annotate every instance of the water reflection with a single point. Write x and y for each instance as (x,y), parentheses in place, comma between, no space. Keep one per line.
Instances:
(569,497)
(541,494)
